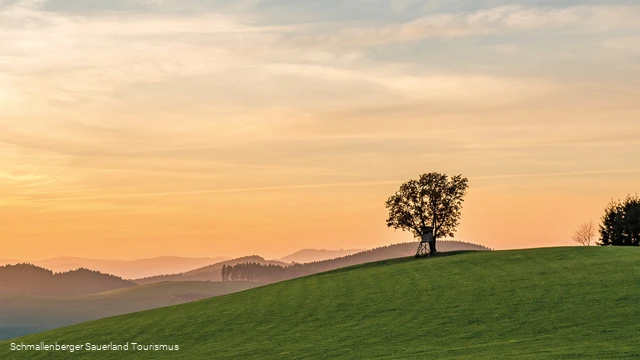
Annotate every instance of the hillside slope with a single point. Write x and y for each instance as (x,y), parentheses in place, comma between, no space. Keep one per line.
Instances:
(24,314)
(579,303)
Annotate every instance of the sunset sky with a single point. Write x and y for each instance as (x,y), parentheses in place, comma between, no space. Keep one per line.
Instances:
(140,128)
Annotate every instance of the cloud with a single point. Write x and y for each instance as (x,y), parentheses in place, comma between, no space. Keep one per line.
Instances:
(22,179)
(76,198)
(623,46)
(502,19)
(59,60)
(53,57)
(413,84)
(212,93)
(400,6)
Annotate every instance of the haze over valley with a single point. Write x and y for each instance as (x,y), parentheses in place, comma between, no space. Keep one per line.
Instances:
(34,299)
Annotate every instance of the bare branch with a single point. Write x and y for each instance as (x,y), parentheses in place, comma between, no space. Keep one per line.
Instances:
(585,234)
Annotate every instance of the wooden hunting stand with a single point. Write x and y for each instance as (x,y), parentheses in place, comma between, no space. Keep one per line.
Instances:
(424,249)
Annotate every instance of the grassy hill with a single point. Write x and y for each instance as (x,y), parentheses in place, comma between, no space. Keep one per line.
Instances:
(23,314)
(576,303)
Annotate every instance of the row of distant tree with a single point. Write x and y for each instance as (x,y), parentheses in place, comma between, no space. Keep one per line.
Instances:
(620,225)
(254,272)
(268,273)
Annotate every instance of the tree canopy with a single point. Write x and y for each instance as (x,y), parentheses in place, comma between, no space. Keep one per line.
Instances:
(621,223)
(432,200)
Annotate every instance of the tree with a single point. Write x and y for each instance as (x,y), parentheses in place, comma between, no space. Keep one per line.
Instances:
(433,200)
(585,234)
(621,223)
(225,272)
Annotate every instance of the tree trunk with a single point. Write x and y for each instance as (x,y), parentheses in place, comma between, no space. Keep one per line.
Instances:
(432,247)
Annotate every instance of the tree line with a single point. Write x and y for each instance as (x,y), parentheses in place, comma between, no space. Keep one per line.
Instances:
(254,272)
(620,225)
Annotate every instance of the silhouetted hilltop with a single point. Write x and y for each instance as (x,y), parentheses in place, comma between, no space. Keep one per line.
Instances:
(129,269)
(33,280)
(311,255)
(207,273)
(4,262)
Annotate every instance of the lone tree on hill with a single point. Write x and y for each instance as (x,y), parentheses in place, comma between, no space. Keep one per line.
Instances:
(621,223)
(585,234)
(431,202)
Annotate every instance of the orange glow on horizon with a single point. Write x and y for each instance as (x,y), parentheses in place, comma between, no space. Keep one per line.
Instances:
(215,131)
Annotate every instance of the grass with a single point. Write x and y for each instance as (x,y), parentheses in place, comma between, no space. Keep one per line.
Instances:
(24,314)
(559,303)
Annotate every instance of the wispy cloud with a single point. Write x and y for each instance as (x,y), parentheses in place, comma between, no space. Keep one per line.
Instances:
(40,198)
(219,109)
(25,180)
(502,19)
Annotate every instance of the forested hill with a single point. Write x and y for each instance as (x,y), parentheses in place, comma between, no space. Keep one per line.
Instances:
(34,280)
(250,271)
(207,273)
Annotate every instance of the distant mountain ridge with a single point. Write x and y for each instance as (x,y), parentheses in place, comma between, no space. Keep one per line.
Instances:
(311,255)
(33,280)
(253,272)
(126,269)
(214,272)
(173,268)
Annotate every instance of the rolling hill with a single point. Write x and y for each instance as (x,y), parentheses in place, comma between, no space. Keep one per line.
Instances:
(262,273)
(23,314)
(213,272)
(34,280)
(554,303)
(129,269)
(207,273)
(4,262)
(313,255)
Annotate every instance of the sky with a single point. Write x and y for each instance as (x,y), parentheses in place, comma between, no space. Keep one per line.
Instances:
(143,128)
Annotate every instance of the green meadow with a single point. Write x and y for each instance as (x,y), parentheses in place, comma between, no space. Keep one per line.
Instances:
(555,303)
